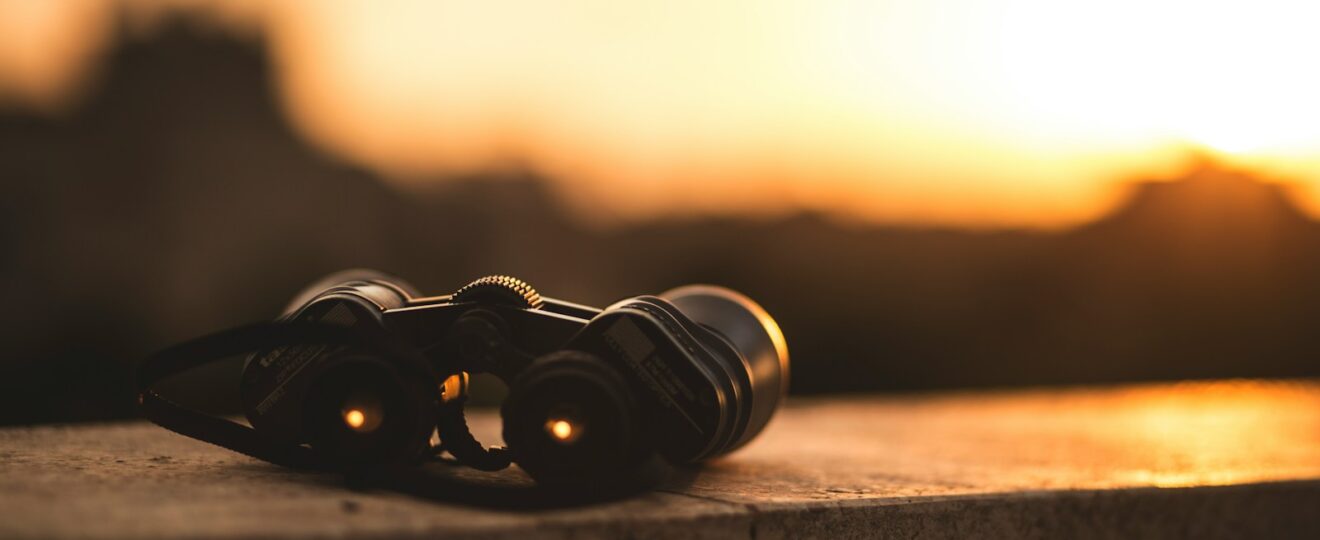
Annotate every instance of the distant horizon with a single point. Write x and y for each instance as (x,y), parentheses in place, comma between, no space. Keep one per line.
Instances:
(178,198)
(612,162)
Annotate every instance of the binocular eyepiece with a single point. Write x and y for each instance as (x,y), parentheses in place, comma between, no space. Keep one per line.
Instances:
(362,371)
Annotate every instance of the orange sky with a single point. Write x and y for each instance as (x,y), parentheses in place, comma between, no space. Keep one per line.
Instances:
(963,112)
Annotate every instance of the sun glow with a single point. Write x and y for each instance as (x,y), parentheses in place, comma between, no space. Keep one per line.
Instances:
(1232,76)
(1000,112)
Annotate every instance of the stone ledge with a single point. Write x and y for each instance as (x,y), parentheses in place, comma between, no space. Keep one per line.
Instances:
(1192,459)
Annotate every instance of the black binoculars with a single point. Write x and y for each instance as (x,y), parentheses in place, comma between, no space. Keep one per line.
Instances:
(361,371)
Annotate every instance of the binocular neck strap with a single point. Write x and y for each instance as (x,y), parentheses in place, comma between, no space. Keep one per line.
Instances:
(213,348)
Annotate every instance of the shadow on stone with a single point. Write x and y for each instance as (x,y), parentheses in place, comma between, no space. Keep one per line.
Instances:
(444,481)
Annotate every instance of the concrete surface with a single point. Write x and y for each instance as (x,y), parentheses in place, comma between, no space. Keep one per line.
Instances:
(1206,459)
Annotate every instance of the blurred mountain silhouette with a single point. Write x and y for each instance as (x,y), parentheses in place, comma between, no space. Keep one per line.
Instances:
(176,200)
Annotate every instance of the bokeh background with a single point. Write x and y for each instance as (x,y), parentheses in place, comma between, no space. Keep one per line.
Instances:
(927,195)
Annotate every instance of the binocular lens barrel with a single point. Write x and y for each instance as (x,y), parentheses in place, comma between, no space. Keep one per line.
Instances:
(753,333)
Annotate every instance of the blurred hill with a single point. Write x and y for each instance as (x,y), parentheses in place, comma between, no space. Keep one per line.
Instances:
(176,200)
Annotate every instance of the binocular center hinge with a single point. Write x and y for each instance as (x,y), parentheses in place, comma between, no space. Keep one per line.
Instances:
(479,342)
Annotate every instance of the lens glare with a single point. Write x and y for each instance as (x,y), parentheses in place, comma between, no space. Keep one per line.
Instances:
(354,418)
(562,430)
(564,424)
(362,411)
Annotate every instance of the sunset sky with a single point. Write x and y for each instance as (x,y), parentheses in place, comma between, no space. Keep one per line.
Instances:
(958,112)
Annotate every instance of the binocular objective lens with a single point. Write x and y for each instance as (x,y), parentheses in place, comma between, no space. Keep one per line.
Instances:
(360,411)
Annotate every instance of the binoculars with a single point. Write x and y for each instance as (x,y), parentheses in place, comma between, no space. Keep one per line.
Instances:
(362,371)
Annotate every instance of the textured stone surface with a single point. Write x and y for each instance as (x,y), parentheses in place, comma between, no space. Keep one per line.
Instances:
(1200,459)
